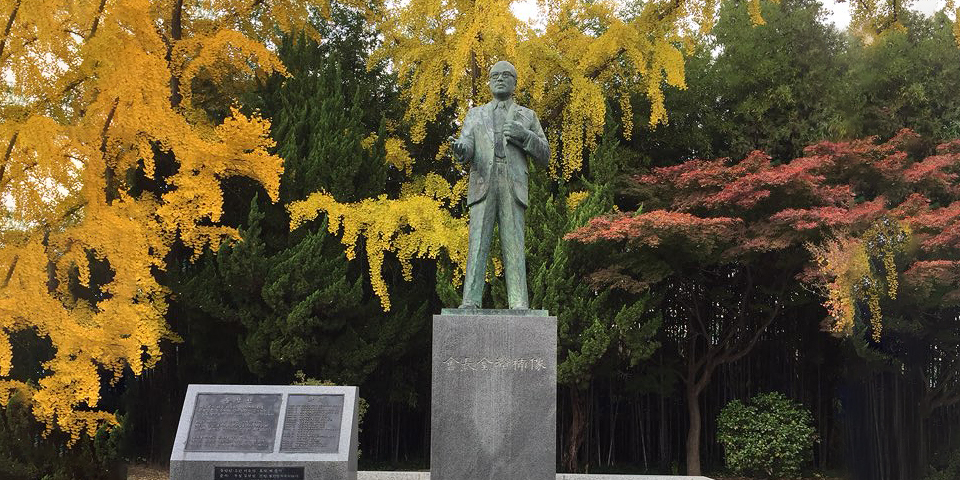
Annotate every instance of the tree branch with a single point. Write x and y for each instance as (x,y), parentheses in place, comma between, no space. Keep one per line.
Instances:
(939,396)
(698,316)
(74,209)
(740,322)
(176,34)
(108,172)
(163,37)
(13,265)
(669,10)
(732,355)
(596,71)
(747,289)
(106,125)
(945,401)
(692,366)
(6,156)
(6,30)
(96,19)
(706,374)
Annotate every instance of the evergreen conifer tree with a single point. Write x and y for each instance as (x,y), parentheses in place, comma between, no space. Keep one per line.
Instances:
(302,305)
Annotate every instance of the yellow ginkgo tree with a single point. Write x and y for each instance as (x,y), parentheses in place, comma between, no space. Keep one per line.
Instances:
(106,164)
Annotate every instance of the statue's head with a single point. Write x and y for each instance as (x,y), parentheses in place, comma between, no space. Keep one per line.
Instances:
(503,80)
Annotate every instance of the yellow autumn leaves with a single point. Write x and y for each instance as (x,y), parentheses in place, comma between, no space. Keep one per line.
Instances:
(584,52)
(861,269)
(414,226)
(88,101)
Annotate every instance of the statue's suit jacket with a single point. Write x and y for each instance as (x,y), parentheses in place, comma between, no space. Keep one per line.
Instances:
(478,130)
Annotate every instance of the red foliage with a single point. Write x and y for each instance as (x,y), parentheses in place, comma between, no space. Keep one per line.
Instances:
(946,239)
(853,149)
(935,170)
(832,218)
(925,277)
(892,165)
(914,205)
(934,220)
(952,146)
(758,183)
(651,228)
(731,210)
(937,229)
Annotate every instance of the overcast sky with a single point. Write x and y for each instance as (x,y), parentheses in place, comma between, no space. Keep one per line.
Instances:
(839,12)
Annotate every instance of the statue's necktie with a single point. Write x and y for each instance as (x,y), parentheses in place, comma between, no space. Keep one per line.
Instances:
(499,116)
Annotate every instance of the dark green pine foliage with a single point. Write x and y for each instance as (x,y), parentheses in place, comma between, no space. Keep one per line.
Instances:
(319,130)
(301,304)
(288,301)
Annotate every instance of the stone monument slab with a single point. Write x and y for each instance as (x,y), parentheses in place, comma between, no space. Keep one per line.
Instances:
(494,399)
(266,432)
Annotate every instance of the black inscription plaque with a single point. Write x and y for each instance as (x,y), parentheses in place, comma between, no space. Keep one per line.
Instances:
(312,424)
(234,422)
(258,473)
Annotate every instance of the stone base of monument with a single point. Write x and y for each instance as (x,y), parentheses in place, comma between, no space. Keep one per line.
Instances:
(266,470)
(371,475)
(494,395)
(266,432)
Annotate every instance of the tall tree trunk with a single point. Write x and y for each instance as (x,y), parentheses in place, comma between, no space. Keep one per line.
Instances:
(664,441)
(692,397)
(614,406)
(693,432)
(577,430)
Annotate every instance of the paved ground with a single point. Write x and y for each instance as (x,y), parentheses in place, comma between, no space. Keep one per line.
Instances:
(147,472)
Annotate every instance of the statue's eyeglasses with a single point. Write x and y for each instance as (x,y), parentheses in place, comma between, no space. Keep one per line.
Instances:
(496,75)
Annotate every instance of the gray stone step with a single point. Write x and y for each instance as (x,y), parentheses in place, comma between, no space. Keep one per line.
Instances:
(560,476)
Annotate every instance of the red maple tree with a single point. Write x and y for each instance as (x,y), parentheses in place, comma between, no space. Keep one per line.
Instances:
(874,226)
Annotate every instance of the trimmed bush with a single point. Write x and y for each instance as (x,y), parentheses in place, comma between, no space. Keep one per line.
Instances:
(770,436)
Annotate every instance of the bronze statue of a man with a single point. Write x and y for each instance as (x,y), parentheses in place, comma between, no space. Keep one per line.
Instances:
(496,139)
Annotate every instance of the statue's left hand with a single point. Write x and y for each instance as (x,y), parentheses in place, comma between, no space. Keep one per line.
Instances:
(516,132)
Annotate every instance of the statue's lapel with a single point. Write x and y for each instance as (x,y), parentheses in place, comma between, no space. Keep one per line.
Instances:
(487,114)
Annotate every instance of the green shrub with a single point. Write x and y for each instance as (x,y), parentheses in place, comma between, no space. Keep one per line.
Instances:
(771,436)
(951,471)
(27,454)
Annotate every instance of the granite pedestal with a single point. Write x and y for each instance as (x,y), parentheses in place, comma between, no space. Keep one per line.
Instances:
(266,432)
(494,397)
(560,476)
